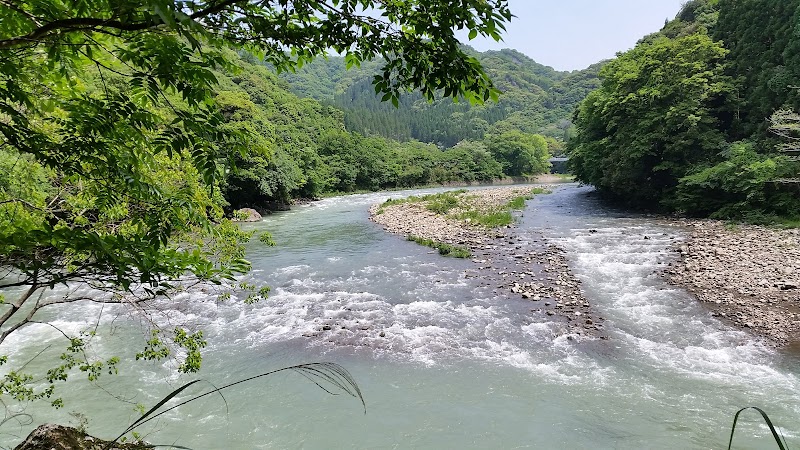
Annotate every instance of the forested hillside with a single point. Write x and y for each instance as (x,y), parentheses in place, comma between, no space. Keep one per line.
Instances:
(292,147)
(302,149)
(701,117)
(535,99)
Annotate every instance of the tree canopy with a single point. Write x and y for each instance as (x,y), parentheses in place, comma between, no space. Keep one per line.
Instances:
(520,153)
(303,149)
(655,112)
(682,122)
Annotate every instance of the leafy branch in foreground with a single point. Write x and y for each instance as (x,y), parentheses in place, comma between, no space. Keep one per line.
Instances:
(112,144)
(330,377)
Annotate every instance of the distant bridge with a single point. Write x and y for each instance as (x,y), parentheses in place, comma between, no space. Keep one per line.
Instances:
(559,165)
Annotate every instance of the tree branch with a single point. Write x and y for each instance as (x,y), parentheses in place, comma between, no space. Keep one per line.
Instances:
(70,25)
(98,24)
(36,307)
(15,306)
(21,11)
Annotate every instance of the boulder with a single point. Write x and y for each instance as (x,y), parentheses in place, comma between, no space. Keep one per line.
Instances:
(246,215)
(57,437)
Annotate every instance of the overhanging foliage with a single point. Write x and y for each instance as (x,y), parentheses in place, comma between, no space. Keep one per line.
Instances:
(113,146)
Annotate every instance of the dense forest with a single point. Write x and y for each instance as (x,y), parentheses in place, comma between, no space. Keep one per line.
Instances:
(302,149)
(701,117)
(535,99)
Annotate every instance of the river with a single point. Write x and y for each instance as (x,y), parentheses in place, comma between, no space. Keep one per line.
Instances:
(442,360)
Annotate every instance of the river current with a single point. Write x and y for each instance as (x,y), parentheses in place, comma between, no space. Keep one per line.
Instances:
(443,361)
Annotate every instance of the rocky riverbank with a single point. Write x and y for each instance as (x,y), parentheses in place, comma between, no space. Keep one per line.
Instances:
(522,267)
(748,275)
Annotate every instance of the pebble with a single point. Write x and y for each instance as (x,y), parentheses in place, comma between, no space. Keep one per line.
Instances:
(503,258)
(751,274)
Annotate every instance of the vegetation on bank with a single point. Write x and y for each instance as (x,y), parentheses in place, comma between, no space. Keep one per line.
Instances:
(444,249)
(701,117)
(302,149)
(485,210)
(463,206)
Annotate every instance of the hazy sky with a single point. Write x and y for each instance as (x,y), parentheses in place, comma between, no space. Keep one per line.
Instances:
(572,34)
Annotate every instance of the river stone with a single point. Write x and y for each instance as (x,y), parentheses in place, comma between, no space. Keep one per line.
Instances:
(249,214)
(57,437)
(501,254)
(749,273)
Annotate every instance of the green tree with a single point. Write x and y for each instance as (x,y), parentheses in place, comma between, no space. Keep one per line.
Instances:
(786,124)
(654,118)
(482,166)
(738,187)
(109,107)
(763,40)
(520,153)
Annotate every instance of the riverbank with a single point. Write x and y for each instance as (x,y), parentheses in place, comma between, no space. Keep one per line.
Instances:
(747,275)
(530,269)
(545,178)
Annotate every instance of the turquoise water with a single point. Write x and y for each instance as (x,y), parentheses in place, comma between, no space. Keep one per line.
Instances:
(442,361)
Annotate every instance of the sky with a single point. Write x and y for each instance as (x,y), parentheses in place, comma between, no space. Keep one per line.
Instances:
(573,34)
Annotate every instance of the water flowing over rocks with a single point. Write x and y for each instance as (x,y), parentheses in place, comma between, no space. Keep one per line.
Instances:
(748,275)
(526,267)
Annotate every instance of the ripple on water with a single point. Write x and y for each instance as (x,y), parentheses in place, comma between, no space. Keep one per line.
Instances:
(670,376)
(659,328)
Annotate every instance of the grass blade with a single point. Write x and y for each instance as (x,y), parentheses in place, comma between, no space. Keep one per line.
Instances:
(327,376)
(775,434)
(164,400)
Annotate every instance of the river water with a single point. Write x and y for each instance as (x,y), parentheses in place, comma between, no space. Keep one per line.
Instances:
(442,360)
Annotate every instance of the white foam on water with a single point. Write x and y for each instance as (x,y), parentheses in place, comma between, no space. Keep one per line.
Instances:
(660,327)
(293,270)
(427,327)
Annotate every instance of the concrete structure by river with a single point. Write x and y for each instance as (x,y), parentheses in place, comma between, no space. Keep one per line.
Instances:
(559,165)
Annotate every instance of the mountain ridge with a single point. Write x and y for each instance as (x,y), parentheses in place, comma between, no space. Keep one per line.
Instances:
(535,99)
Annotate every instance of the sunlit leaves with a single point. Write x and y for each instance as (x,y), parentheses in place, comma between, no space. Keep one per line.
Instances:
(191,343)
(653,119)
(520,153)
